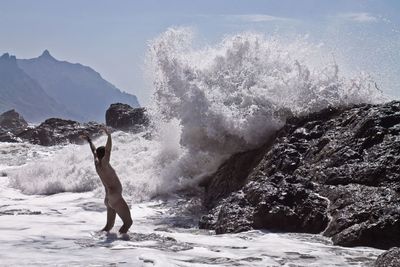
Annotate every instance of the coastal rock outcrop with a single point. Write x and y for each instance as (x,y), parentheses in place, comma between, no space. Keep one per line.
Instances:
(11,124)
(335,172)
(390,258)
(123,117)
(56,131)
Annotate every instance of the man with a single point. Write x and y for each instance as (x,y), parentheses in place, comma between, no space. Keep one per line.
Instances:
(114,202)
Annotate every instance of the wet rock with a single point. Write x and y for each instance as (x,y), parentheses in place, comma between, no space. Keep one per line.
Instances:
(390,258)
(273,204)
(56,131)
(231,176)
(11,123)
(124,117)
(339,163)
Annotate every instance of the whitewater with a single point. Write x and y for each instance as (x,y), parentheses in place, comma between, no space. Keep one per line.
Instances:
(209,103)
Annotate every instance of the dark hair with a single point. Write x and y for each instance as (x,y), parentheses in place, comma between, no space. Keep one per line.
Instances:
(100,151)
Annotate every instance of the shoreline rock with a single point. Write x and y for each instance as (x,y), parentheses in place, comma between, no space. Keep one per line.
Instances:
(125,118)
(11,124)
(56,131)
(335,172)
(390,258)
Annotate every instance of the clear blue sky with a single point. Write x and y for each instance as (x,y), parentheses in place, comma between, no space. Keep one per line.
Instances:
(112,36)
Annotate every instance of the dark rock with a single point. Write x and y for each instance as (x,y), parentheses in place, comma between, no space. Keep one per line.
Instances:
(124,117)
(58,131)
(340,163)
(12,121)
(390,258)
(272,204)
(11,124)
(231,176)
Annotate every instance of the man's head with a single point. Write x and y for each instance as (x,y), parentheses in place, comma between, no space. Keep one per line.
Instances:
(100,151)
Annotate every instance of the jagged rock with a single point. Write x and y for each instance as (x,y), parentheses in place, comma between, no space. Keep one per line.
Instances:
(390,258)
(12,121)
(231,175)
(124,117)
(273,204)
(56,131)
(11,124)
(349,156)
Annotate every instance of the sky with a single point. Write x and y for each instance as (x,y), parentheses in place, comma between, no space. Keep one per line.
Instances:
(112,36)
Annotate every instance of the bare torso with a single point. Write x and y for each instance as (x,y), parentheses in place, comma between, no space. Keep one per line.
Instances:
(109,178)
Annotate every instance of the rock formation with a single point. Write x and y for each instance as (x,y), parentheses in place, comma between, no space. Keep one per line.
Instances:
(390,258)
(58,131)
(54,131)
(11,124)
(124,117)
(335,172)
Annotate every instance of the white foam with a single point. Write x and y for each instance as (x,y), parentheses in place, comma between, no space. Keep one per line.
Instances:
(230,97)
(56,230)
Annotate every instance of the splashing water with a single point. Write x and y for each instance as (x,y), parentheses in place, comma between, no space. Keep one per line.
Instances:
(230,97)
(208,104)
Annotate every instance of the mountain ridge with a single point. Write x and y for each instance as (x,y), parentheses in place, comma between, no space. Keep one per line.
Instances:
(19,91)
(79,92)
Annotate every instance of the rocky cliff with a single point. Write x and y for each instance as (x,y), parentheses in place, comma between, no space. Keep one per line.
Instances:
(335,172)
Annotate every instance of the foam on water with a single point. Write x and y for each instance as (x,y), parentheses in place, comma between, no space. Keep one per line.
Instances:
(208,103)
(71,168)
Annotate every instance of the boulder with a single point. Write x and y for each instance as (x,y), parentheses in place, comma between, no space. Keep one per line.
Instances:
(11,124)
(12,121)
(335,172)
(390,258)
(124,117)
(56,131)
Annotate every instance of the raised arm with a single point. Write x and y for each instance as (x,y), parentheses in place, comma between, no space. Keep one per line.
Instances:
(108,145)
(92,147)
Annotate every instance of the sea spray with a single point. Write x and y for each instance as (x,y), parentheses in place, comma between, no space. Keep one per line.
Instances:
(232,96)
(208,104)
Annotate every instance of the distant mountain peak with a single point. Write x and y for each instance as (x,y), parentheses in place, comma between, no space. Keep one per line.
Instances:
(46,54)
(6,58)
(80,89)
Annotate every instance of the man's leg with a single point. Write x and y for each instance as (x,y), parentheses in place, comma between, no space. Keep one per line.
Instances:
(122,209)
(110,216)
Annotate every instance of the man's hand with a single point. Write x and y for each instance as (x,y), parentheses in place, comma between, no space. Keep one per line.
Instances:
(105,130)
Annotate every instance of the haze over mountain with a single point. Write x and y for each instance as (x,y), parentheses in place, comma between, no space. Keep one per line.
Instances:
(19,91)
(45,87)
(78,87)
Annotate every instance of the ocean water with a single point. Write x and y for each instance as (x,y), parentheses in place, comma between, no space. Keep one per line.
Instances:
(60,229)
(209,103)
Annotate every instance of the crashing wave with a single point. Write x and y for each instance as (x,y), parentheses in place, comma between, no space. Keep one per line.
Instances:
(208,104)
